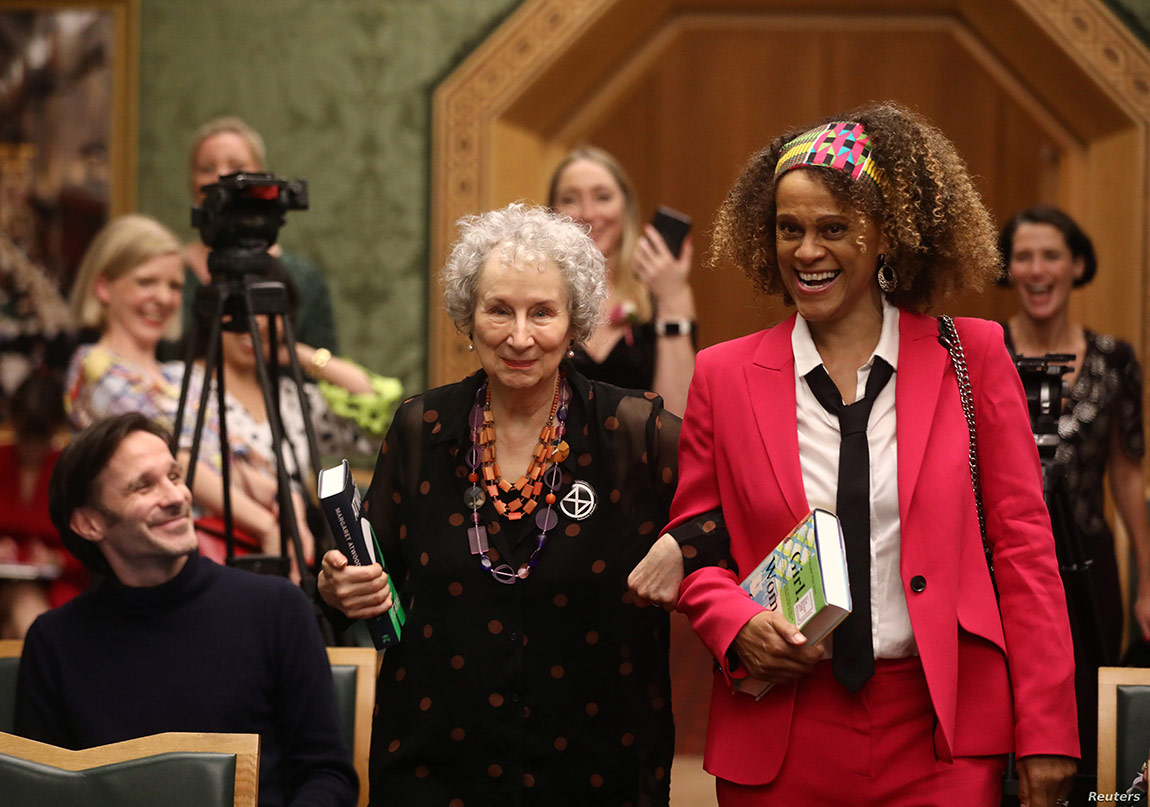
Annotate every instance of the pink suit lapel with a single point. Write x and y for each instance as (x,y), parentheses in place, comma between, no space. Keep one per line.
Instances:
(922,363)
(771,384)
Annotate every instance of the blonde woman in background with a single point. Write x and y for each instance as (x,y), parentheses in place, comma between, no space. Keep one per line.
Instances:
(127,290)
(647,339)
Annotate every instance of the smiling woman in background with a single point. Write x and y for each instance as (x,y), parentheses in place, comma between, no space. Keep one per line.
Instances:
(1047,255)
(128,289)
(647,340)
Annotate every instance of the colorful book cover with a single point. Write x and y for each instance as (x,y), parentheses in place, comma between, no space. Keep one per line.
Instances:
(804,577)
(339,497)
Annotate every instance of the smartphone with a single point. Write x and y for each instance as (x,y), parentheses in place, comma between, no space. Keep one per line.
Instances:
(673,226)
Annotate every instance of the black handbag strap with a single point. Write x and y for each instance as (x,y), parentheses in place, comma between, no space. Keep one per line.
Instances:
(948,338)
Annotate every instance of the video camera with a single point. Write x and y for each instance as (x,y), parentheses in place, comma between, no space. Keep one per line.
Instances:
(240,217)
(1045,389)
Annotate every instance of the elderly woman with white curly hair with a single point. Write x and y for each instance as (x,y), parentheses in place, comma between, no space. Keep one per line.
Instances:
(510,508)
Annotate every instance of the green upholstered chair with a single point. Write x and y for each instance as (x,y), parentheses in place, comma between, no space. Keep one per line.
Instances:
(353,672)
(9,663)
(1123,725)
(175,769)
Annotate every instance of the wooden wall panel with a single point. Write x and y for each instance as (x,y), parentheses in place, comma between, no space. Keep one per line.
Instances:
(1113,303)
(713,97)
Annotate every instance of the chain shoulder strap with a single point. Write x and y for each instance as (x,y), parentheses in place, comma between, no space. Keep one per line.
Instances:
(948,337)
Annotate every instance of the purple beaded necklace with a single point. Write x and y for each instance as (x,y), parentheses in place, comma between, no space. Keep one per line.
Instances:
(481,461)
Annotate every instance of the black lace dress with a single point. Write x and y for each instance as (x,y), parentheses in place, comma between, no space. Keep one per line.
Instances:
(630,364)
(1106,400)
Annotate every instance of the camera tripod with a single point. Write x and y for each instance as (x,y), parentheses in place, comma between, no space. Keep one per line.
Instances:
(1045,390)
(242,300)
(1090,651)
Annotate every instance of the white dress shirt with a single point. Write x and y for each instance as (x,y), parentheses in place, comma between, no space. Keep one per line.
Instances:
(819,439)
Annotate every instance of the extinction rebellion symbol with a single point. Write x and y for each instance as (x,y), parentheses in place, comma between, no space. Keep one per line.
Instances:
(579,502)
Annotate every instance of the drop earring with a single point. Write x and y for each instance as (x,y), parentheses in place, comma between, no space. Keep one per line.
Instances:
(887,279)
(571,350)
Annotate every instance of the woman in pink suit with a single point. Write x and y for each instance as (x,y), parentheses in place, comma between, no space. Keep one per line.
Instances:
(862,222)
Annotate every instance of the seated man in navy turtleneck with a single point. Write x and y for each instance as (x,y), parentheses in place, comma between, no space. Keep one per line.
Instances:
(170,641)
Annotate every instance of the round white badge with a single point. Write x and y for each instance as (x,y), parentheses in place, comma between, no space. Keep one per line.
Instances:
(580,501)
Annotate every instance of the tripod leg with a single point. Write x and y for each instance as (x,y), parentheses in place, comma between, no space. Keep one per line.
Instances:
(225,460)
(181,404)
(1077,574)
(1090,650)
(309,428)
(288,524)
(305,407)
(213,363)
(209,363)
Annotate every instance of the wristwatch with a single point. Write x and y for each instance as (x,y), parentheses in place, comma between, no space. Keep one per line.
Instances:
(319,360)
(680,326)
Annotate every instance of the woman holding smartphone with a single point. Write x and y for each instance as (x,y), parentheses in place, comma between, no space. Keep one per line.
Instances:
(647,339)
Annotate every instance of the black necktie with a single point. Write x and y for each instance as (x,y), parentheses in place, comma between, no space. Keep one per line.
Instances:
(853,661)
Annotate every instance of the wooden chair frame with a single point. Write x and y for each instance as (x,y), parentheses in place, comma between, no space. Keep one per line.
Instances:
(9,649)
(1109,679)
(367,660)
(245,747)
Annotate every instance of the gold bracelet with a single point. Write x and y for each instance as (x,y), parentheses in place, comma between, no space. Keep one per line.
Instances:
(319,360)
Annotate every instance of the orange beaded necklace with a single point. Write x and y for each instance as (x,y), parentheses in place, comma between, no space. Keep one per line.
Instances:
(530,485)
(550,450)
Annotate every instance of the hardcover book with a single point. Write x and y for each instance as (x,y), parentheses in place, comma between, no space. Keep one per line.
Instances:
(339,497)
(804,577)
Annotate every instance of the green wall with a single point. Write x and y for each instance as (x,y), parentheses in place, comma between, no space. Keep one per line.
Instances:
(1136,15)
(341,91)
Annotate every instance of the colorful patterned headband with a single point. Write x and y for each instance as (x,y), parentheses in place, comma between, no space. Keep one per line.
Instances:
(843,145)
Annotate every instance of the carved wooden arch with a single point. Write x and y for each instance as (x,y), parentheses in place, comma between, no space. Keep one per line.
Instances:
(506,114)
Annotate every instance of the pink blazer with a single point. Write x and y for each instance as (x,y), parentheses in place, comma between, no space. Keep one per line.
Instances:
(739,450)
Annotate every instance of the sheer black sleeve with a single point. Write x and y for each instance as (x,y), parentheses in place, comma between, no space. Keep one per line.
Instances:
(391,488)
(1128,420)
(704,539)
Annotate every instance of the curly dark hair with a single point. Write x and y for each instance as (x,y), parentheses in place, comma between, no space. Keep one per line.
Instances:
(1077,241)
(941,236)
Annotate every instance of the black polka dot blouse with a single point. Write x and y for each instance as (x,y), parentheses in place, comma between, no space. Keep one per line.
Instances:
(553,690)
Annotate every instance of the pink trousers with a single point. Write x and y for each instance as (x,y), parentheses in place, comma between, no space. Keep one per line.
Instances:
(871,748)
